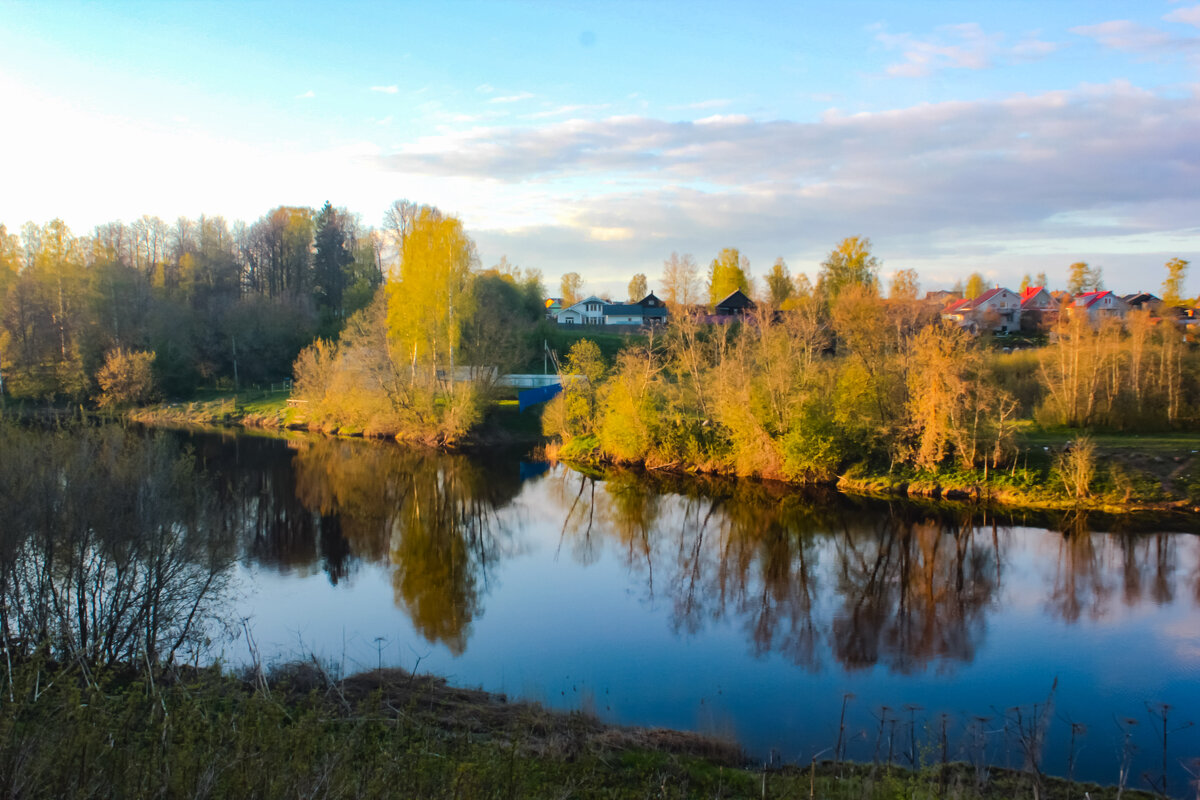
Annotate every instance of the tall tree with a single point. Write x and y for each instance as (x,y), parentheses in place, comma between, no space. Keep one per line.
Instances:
(398,222)
(1083,278)
(1172,288)
(331,258)
(679,282)
(46,313)
(280,252)
(149,244)
(1042,281)
(976,285)
(905,285)
(638,287)
(430,298)
(848,264)
(498,334)
(779,282)
(728,272)
(571,286)
(10,260)
(1026,282)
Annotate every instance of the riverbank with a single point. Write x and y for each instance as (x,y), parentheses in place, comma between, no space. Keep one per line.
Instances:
(296,731)
(503,424)
(1155,474)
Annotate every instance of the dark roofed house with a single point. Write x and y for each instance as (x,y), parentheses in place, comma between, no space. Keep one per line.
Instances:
(633,314)
(650,301)
(942,297)
(1140,300)
(654,311)
(737,304)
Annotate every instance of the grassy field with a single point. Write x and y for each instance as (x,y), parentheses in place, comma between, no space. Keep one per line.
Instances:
(1169,460)
(297,732)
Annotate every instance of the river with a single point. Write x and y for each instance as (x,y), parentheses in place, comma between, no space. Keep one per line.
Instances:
(797,623)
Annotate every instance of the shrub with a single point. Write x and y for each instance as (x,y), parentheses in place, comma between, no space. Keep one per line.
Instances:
(1075,468)
(127,378)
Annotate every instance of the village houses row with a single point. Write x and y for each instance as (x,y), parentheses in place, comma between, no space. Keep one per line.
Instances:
(1000,311)
(1003,311)
(650,310)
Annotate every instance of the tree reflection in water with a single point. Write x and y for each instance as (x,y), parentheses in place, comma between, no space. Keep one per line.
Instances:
(111,550)
(815,576)
(909,588)
(430,516)
(914,590)
(898,585)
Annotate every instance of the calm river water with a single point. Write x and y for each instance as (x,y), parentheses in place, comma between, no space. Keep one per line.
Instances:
(740,609)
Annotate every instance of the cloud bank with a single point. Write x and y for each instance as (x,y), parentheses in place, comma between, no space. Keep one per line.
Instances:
(1099,160)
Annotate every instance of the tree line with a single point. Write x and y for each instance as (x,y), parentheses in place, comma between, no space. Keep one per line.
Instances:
(215,303)
(838,376)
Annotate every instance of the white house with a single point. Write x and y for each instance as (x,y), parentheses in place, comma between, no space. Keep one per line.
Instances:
(1098,305)
(589,311)
(596,311)
(998,310)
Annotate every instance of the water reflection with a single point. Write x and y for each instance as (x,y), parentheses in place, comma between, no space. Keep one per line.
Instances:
(908,588)
(111,549)
(752,599)
(814,576)
(431,517)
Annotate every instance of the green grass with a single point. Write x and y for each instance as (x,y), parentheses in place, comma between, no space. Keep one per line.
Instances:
(255,406)
(1154,444)
(299,733)
(561,338)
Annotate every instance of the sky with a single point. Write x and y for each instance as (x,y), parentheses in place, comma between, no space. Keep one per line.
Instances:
(1006,138)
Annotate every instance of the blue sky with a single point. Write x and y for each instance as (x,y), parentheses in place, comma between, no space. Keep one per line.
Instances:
(1006,138)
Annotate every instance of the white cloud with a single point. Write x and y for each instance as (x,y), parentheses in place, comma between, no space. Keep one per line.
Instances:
(485,88)
(1110,167)
(1133,37)
(386,89)
(962,46)
(512,98)
(1188,16)
(1032,48)
(1124,34)
(611,234)
(310,93)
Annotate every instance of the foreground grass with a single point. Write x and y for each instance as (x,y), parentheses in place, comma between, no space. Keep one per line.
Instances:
(390,734)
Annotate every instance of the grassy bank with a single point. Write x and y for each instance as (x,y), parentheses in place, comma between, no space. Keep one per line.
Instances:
(299,733)
(251,409)
(1129,473)
(503,423)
